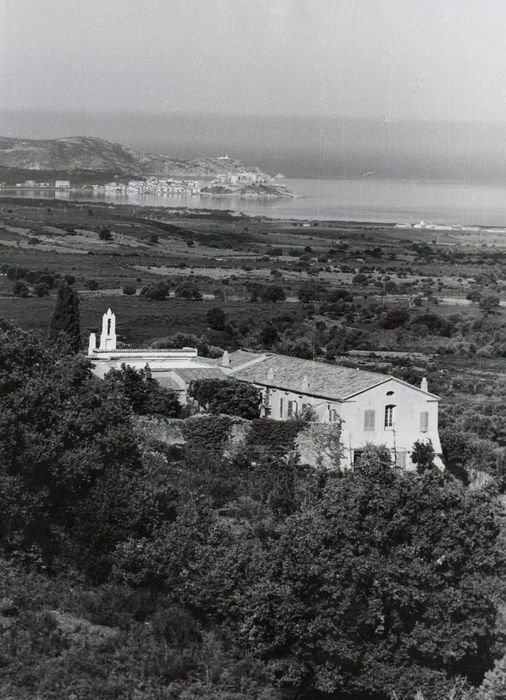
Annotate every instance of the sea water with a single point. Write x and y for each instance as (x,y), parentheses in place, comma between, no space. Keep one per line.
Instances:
(363,199)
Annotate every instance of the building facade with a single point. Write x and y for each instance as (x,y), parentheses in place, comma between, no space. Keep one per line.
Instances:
(372,408)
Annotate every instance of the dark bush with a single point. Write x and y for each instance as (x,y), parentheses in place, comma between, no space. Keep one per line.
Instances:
(20,289)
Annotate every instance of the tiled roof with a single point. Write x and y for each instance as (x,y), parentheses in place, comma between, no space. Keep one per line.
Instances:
(189,374)
(241,357)
(168,383)
(237,358)
(309,377)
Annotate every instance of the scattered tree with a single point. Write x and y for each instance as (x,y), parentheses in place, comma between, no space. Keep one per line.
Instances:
(273,293)
(216,318)
(41,289)
(20,289)
(188,290)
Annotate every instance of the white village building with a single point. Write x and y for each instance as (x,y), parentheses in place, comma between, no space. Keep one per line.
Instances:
(374,408)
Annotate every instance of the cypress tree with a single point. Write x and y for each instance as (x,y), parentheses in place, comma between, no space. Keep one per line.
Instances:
(66,316)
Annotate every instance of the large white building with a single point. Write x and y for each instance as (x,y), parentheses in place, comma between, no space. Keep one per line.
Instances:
(374,408)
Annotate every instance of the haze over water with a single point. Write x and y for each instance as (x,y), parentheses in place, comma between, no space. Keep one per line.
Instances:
(364,199)
(401,104)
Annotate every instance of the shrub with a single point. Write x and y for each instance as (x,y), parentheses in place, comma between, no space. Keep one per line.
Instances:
(92,285)
(158,291)
(105,234)
(394,318)
(20,289)
(273,293)
(188,290)
(41,289)
(312,291)
(129,290)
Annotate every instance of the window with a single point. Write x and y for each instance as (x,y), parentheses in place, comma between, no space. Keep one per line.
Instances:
(335,416)
(357,456)
(424,421)
(267,398)
(389,416)
(369,419)
(292,409)
(281,408)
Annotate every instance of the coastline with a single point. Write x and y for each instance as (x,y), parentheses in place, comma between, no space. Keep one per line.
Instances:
(427,206)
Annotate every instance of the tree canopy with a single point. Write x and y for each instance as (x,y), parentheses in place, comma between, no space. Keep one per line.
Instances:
(377,587)
(144,393)
(227,396)
(69,460)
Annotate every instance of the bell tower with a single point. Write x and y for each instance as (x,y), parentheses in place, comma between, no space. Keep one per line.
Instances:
(108,335)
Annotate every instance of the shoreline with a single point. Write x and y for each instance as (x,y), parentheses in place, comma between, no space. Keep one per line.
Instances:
(441,210)
(309,222)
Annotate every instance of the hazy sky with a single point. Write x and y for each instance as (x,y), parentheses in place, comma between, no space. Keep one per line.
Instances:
(391,59)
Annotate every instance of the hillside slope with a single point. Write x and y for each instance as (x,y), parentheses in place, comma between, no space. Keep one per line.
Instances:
(99,155)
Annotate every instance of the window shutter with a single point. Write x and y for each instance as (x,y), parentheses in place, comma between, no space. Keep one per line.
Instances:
(369,416)
(424,421)
(281,408)
(400,459)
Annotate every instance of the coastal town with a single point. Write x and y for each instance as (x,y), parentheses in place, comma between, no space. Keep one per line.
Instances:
(242,182)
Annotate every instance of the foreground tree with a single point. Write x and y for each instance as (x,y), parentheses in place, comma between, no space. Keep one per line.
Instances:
(379,586)
(65,318)
(70,471)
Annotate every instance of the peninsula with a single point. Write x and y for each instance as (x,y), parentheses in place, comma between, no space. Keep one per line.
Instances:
(89,163)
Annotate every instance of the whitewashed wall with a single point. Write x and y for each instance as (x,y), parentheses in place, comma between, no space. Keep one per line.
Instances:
(408,424)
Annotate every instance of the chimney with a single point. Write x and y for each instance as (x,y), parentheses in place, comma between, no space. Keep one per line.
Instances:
(92,344)
(225,359)
(424,385)
(305,383)
(270,375)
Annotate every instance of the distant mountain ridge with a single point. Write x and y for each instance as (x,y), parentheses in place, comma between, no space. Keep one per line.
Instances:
(98,155)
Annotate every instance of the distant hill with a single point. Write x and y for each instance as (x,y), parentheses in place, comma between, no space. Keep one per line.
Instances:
(92,154)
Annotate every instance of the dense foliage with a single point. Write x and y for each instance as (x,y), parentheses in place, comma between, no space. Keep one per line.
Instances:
(145,395)
(377,586)
(227,396)
(134,568)
(70,466)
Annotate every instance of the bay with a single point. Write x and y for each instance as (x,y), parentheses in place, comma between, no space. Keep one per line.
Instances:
(363,199)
